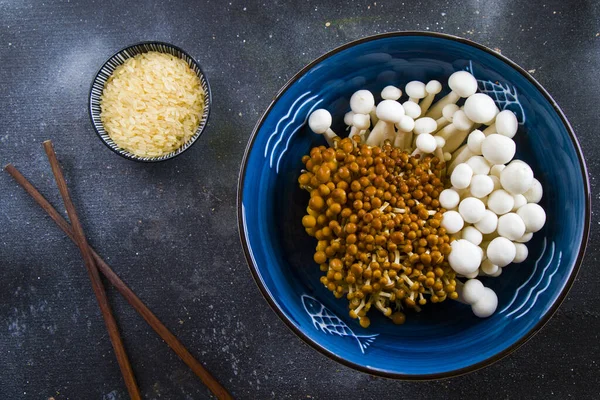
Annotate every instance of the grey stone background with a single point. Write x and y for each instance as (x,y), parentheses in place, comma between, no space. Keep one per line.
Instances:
(169,230)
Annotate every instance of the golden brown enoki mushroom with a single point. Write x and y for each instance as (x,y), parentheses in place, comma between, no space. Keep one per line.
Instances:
(376,215)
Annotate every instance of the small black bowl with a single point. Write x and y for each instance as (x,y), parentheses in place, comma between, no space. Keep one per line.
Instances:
(119,58)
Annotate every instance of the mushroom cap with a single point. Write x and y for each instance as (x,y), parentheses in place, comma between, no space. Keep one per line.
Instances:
(525,238)
(440,141)
(533,216)
(497,169)
(498,149)
(412,109)
(361,121)
(481,186)
(319,121)
(415,89)
(390,111)
(452,222)
(425,125)
(479,165)
(348,118)
(465,257)
(426,143)
(471,209)
(406,124)
(501,202)
(507,123)
(501,251)
(362,102)
(488,223)
(391,93)
(517,177)
(488,267)
(449,199)
(520,201)
(472,291)
(522,253)
(472,235)
(433,87)
(511,226)
(487,304)
(480,108)
(447,156)
(461,176)
(461,121)
(535,192)
(462,83)
(449,110)
(474,141)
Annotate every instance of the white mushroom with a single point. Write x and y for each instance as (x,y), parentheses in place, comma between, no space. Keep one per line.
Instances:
(391,93)
(461,176)
(517,177)
(525,238)
(424,125)
(348,118)
(472,291)
(488,223)
(432,88)
(471,210)
(389,112)
(472,235)
(533,216)
(511,226)
(426,144)
(486,305)
(501,202)
(447,114)
(462,84)
(415,91)
(505,124)
(404,134)
(462,155)
(535,192)
(320,123)
(360,122)
(439,150)
(520,201)
(501,251)
(498,149)
(474,141)
(496,180)
(479,165)
(465,257)
(460,122)
(480,108)
(521,254)
(497,169)
(362,102)
(449,199)
(488,267)
(412,109)
(452,222)
(481,186)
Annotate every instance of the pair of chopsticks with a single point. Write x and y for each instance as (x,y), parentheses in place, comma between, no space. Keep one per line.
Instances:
(94,263)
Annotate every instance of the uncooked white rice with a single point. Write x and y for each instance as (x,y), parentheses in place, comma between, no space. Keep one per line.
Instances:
(151,104)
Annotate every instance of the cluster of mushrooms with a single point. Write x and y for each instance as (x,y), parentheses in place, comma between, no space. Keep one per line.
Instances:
(417,196)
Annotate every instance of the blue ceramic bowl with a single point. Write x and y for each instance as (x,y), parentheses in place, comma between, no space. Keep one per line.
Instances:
(445,339)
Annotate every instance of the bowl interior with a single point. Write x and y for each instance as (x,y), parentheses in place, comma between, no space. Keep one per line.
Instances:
(119,58)
(444,339)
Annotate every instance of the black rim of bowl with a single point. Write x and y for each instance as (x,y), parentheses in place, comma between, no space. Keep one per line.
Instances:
(98,86)
(456,372)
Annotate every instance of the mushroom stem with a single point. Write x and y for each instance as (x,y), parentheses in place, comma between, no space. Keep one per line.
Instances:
(432,88)
(435,111)
(455,141)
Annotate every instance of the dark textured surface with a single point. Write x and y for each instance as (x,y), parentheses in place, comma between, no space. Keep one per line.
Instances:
(169,230)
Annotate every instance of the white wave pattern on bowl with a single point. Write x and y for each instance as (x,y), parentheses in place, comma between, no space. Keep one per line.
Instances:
(505,96)
(326,321)
(295,108)
(546,274)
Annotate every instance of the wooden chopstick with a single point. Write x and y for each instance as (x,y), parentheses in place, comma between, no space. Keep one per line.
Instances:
(97,286)
(213,385)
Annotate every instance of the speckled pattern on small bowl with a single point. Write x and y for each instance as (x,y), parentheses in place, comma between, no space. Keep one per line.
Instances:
(445,339)
(119,58)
